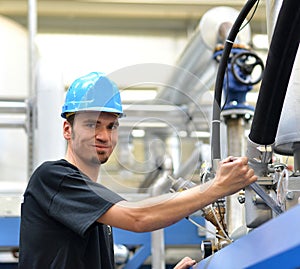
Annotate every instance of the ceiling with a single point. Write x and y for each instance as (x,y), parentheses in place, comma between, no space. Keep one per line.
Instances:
(156,17)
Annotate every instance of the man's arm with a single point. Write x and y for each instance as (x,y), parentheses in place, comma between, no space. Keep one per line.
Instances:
(164,210)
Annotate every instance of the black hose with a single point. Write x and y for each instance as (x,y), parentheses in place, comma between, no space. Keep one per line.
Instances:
(215,137)
(282,53)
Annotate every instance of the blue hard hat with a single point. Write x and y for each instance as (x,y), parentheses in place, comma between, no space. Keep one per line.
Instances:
(93,92)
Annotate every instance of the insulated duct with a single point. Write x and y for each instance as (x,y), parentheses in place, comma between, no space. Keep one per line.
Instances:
(197,57)
(282,52)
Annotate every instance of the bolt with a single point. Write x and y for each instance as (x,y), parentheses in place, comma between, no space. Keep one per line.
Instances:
(241,199)
(290,195)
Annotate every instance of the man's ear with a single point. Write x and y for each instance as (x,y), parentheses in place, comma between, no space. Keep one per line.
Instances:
(67,130)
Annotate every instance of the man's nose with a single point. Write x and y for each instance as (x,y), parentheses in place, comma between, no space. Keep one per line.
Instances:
(103,134)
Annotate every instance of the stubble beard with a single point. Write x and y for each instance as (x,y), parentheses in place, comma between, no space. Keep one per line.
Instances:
(100,158)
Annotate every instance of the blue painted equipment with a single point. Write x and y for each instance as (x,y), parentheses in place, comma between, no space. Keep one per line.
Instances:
(275,244)
(9,232)
(239,78)
(179,234)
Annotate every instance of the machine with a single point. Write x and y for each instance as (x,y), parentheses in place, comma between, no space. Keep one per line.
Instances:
(206,93)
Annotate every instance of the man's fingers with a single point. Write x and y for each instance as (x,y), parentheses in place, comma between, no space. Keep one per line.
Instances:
(185,263)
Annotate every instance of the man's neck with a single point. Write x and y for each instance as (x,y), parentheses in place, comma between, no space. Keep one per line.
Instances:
(92,171)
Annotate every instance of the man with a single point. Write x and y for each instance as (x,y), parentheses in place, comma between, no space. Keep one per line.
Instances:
(66,215)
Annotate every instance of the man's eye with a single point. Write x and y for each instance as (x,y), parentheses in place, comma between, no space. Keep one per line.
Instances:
(113,127)
(91,125)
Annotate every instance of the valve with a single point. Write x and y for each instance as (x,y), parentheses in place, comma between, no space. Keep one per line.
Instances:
(243,65)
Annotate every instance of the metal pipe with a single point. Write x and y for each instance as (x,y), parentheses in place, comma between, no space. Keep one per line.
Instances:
(235,211)
(7,107)
(158,249)
(12,123)
(296,151)
(31,115)
(32,30)
(162,185)
(191,164)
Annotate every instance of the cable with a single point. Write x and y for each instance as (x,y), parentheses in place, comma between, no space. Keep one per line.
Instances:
(219,224)
(205,229)
(226,90)
(222,218)
(251,17)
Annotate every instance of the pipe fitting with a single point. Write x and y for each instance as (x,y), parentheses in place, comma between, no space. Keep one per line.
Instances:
(259,157)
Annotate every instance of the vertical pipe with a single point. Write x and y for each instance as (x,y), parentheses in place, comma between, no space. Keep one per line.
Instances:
(31,114)
(32,30)
(216,120)
(158,249)
(296,150)
(173,145)
(161,186)
(235,212)
(237,141)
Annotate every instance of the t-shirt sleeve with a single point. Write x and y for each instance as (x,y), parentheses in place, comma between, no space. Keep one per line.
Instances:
(79,202)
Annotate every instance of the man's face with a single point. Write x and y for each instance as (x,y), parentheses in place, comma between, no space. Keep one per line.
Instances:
(94,136)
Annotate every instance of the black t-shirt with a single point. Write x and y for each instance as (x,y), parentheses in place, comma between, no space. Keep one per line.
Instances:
(59,227)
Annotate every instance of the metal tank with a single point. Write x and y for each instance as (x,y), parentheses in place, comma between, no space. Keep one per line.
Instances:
(18,107)
(13,92)
(49,141)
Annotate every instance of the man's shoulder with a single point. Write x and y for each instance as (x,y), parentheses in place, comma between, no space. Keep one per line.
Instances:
(55,168)
(62,163)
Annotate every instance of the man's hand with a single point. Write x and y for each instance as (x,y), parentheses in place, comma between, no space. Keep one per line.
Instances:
(233,174)
(185,263)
